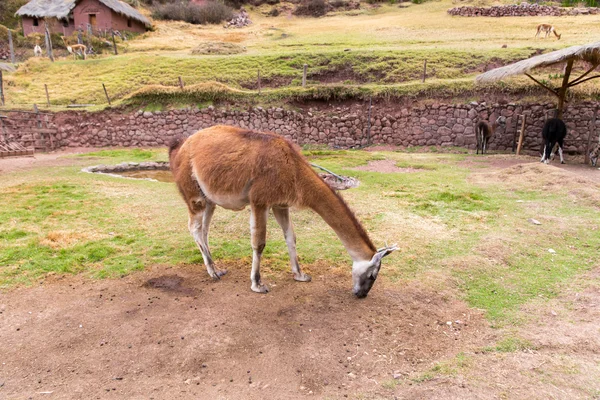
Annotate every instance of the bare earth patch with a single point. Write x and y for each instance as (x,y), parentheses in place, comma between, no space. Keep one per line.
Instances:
(385,166)
(174,332)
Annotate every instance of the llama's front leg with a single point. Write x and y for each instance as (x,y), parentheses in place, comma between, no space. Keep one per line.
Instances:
(258,231)
(198,224)
(484,146)
(543,154)
(282,215)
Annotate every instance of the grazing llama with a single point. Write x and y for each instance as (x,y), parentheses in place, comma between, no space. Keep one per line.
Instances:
(234,168)
(548,29)
(37,50)
(554,132)
(484,132)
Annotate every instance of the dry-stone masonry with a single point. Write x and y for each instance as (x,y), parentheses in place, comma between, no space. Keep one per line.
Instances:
(520,10)
(338,126)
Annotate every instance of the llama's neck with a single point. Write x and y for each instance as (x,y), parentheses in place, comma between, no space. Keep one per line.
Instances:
(334,211)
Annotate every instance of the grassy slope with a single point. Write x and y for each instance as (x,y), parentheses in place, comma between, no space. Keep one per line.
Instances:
(387,46)
(452,232)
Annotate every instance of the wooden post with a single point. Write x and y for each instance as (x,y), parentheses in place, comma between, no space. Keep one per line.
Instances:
(37,116)
(592,132)
(180,83)
(114,43)
(11,47)
(48,42)
(106,93)
(47,95)
(258,81)
(424,70)
(1,88)
(522,134)
(304,75)
(562,92)
(79,38)
(369,122)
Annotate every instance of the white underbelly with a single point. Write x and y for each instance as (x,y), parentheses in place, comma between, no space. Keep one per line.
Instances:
(232,201)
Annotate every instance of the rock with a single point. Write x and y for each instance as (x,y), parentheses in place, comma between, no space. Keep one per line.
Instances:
(534,221)
(551,251)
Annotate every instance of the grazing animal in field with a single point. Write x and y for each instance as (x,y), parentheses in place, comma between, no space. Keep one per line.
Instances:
(548,29)
(554,132)
(234,168)
(37,50)
(485,131)
(77,49)
(594,153)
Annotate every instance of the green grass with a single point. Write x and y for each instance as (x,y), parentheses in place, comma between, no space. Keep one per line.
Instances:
(60,220)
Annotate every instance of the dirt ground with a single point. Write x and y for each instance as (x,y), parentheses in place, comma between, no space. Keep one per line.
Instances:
(170,333)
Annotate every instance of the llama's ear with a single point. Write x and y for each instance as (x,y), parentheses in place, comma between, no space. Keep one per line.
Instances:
(383,252)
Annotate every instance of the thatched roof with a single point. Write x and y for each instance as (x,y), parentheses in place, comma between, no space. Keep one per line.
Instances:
(589,52)
(62,8)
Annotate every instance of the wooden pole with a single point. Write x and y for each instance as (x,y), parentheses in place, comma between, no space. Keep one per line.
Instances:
(181,83)
(258,81)
(47,95)
(424,70)
(114,43)
(79,38)
(106,93)
(1,88)
(48,42)
(304,75)
(592,133)
(562,92)
(521,135)
(11,47)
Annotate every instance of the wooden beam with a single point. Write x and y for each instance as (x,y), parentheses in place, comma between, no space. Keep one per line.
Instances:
(575,82)
(585,80)
(553,91)
(521,135)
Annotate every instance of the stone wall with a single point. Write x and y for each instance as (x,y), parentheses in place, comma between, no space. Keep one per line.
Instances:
(520,10)
(338,126)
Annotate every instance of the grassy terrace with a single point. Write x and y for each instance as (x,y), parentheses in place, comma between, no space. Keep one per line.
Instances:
(459,226)
(376,51)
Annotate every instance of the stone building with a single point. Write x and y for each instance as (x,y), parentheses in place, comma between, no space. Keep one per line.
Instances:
(66,16)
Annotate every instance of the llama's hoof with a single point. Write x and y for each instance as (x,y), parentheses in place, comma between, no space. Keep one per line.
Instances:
(302,277)
(217,274)
(562,162)
(259,288)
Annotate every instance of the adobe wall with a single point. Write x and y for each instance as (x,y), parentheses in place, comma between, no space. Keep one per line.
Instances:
(54,26)
(339,126)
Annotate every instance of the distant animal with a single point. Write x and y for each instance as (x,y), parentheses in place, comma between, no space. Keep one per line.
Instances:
(37,50)
(234,168)
(485,131)
(554,132)
(77,49)
(548,29)
(594,153)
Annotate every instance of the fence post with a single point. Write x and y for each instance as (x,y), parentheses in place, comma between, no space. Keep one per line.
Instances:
(424,70)
(592,132)
(106,93)
(11,47)
(114,43)
(1,88)
(180,83)
(79,38)
(522,134)
(369,121)
(304,75)
(48,42)
(47,95)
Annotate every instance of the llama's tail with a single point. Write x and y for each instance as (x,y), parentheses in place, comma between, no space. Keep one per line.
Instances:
(175,144)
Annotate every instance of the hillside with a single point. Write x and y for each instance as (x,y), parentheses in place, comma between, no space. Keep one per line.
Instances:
(375,50)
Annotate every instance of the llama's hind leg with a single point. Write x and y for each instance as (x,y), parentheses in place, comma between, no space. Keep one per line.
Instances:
(282,215)
(198,223)
(560,151)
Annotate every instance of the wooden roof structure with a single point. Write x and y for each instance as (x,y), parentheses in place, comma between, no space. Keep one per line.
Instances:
(589,53)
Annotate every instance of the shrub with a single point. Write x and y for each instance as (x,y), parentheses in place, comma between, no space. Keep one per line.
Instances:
(311,8)
(8,8)
(210,13)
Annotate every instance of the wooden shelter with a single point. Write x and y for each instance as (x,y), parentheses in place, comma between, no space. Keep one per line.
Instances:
(589,53)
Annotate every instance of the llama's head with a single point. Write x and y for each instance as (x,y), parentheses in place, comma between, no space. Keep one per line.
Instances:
(364,273)
(500,121)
